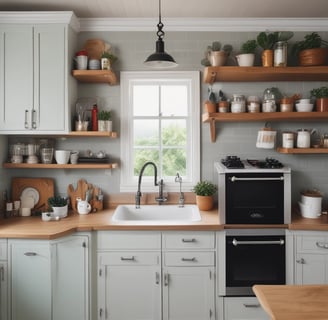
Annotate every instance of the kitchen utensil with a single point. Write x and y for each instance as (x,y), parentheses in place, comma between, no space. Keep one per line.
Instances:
(30,193)
(62,156)
(79,192)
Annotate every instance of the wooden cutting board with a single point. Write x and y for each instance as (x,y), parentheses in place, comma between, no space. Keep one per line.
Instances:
(44,186)
(79,192)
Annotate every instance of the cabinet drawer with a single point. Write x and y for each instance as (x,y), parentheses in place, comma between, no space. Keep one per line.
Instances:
(246,308)
(313,244)
(109,240)
(188,240)
(129,258)
(3,249)
(189,258)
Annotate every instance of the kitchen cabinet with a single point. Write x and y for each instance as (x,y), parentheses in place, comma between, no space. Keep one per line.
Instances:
(243,308)
(131,273)
(49,279)
(36,87)
(3,280)
(255,74)
(311,258)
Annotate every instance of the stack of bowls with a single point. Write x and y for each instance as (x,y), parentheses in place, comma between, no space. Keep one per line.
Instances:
(94,64)
(304,105)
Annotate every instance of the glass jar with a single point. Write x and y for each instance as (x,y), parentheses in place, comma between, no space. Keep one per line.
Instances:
(238,103)
(280,54)
(253,104)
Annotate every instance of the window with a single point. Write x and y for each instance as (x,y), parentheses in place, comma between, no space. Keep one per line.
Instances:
(160,123)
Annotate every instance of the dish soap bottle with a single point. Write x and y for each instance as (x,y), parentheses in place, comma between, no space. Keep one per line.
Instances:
(94,118)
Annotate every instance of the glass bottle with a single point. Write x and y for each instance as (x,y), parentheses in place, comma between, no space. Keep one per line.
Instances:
(94,118)
(280,54)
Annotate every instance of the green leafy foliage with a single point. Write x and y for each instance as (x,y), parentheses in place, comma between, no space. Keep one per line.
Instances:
(57,201)
(249,46)
(321,92)
(104,115)
(311,41)
(204,188)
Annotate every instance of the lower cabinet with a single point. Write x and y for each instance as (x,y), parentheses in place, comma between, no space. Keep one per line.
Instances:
(311,258)
(49,279)
(243,308)
(154,275)
(3,280)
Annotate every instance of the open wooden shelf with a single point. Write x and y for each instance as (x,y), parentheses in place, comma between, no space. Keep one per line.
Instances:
(60,166)
(95,76)
(108,134)
(211,118)
(302,150)
(256,74)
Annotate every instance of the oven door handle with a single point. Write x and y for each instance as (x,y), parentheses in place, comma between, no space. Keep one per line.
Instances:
(280,242)
(234,178)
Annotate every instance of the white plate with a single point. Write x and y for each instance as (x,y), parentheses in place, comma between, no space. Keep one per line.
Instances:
(31,192)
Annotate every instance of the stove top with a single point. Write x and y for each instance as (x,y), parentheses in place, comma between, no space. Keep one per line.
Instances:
(235,163)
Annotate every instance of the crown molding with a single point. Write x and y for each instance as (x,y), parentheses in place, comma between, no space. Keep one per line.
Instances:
(48,17)
(205,24)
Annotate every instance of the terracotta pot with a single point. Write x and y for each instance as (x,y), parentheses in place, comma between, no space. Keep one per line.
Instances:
(217,58)
(313,57)
(322,104)
(204,203)
(210,107)
(267,58)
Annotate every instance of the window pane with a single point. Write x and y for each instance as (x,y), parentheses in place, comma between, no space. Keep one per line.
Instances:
(174,132)
(174,100)
(145,100)
(141,156)
(174,160)
(146,132)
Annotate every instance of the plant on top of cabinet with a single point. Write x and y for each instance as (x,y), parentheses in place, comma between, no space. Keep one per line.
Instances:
(247,56)
(215,56)
(321,96)
(204,191)
(312,51)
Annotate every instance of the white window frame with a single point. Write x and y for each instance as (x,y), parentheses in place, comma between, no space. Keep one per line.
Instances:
(127,184)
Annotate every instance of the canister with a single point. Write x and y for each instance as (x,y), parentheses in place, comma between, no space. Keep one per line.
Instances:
(238,103)
(280,54)
(288,139)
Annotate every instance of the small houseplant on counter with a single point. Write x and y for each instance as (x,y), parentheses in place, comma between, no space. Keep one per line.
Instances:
(59,206)
(104,121)
(215,56)
(321,96)
(312,51)
(204,191)
(247,56)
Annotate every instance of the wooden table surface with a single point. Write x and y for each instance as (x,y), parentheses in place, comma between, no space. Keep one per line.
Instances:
(294,302)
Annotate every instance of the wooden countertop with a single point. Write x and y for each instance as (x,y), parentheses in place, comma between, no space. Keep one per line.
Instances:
(294,302)
(35,228)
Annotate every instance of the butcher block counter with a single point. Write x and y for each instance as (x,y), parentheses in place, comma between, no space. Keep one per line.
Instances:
(293,302)
(35,228)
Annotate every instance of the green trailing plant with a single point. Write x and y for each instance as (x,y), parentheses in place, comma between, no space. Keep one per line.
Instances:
(249,46)
(318,93)
(266,40)
(311,41)
(104,115)
(204,188)
(57,201)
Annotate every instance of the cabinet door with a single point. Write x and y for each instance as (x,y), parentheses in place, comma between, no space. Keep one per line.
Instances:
(30,280)
(311,269)
(50,81)
(3,290)
(188,293)
(131,290)
(16,56)
(71,286)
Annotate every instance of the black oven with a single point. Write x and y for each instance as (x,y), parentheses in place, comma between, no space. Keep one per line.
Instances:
(255,258)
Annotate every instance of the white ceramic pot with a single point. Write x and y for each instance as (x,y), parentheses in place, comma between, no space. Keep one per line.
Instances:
(105,125)
(245,59)
(60,212)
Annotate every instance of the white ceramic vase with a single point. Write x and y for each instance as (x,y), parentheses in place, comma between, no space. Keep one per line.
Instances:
(60,212)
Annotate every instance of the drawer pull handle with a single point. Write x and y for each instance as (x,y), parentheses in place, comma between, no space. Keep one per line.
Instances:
(128,258)
(301,261)
(189,259)
(30,254)
(251,305)
(189,240)
(322,245)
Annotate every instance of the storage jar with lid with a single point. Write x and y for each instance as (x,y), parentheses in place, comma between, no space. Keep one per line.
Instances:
(253,104)
(238,103)
(280,54)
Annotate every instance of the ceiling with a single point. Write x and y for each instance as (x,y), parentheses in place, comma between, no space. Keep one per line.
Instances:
(175,8)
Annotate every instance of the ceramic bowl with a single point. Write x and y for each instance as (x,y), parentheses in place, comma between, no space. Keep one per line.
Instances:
(62,156)
(304,107)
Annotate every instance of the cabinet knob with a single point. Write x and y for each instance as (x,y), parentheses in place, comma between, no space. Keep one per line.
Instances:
(301,261)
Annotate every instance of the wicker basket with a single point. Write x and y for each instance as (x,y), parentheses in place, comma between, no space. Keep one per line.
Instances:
(313,57)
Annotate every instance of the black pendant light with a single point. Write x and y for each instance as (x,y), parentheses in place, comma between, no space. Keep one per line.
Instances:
(160,59)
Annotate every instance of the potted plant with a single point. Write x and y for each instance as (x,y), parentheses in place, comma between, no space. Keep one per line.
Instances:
(312,51)
(107,59)
(247,56)
(104,121)
(59,205)
(216,55)
(204,191)
(321,96)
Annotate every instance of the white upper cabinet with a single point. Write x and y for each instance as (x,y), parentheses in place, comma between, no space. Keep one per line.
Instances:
(37,91)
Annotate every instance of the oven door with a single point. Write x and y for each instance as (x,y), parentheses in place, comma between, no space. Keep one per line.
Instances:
(250,260)
(254,198)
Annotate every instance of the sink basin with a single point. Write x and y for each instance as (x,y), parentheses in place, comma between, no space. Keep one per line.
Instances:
(156,214)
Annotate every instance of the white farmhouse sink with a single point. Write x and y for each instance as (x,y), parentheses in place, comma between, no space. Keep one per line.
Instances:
(156,214)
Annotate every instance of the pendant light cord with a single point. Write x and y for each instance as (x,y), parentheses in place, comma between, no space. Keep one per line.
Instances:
(160,33)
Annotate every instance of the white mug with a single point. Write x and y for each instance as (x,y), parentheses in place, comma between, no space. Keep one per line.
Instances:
(81,62)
